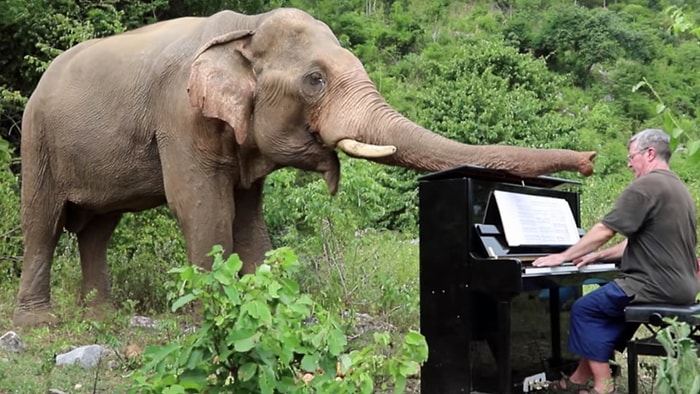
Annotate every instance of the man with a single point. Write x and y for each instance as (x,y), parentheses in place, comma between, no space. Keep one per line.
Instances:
(656,214)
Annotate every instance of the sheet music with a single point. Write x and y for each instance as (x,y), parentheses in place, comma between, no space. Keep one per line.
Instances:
(536,220)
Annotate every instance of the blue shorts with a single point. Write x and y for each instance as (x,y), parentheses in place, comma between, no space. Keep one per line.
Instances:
(597,327)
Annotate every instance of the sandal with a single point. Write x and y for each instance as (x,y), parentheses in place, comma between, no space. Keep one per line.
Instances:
(565,385)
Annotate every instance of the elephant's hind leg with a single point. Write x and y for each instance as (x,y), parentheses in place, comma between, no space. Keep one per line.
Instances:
(93,239)
(41,225)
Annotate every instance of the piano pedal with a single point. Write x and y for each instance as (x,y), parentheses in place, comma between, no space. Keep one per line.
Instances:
(535,383)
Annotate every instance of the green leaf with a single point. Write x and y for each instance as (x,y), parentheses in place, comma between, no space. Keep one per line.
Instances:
(233,295)
(194,379)
(660,107)
(258,311)
(309,362)
(695,388)
(266,380)
(409,368)
(182,301)
(694,158)
(336,342)
(157,354)
(245,344)
(247,371)
(693,148)
(676,132)
(400,385)
(234,263)
(273,289)
(195,358)
(175,389)
(216,249)
(415,338)
(223,276)
(345,363)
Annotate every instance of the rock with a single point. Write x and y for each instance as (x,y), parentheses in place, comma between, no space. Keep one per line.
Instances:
(11,342)
(86,356)
(55,391)
(142,321)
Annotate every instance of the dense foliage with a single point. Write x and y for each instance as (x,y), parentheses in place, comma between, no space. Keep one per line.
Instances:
(678,371)
(260,334)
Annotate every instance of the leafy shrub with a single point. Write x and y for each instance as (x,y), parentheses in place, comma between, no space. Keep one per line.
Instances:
(260,335)
(10,233)
(297,204)
(679,372)
(483,92)
(141,253)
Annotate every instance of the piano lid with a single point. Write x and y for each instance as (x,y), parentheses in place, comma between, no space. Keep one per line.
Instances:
(490,174)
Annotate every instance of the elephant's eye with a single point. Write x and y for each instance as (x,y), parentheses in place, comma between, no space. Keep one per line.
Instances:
(315,79)
(313,86)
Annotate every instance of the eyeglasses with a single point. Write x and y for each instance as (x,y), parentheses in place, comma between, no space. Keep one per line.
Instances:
(630,157)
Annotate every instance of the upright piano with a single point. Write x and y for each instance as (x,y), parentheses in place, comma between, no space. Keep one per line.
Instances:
(470,273)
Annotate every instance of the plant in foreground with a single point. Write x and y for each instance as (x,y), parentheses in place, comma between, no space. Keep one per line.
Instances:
(260,335)
(679,371)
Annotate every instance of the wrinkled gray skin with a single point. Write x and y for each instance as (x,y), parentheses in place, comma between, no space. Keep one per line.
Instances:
(195,112)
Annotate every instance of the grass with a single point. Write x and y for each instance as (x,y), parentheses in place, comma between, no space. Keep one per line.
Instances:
(34,371)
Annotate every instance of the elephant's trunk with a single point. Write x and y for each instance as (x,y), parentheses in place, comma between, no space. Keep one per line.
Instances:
(423,150)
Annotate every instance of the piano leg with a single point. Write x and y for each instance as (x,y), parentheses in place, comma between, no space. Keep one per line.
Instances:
(555,326)
(505,385)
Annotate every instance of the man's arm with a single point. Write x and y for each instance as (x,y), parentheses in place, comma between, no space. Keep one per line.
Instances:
(612,253)
(598,235)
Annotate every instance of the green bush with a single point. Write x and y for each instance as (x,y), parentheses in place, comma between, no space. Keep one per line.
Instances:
(679,372)
(10,232)
(141,253)
(259,334)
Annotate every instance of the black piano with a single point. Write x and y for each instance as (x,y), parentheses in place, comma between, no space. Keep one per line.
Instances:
(471,278)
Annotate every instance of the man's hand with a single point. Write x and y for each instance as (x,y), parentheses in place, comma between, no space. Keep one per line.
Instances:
(593,257)
(549,261)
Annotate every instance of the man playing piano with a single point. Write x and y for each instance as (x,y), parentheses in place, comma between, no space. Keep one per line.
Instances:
(656,215)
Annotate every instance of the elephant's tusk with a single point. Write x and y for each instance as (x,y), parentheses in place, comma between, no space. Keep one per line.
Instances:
(359,149)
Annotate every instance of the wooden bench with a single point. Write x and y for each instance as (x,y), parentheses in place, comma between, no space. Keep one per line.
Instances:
(652,316)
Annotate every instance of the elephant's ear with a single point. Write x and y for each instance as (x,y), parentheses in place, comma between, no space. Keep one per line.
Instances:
(222,81)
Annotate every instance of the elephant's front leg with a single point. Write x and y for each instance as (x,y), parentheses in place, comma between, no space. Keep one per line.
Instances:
(203,205)
(250,235)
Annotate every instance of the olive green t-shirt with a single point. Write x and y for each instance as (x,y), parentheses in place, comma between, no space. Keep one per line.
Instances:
(657,215)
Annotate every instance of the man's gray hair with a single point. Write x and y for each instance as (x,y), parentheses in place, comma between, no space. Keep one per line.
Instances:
(653,138)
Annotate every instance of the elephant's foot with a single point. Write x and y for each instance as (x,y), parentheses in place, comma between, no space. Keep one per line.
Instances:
(34,317)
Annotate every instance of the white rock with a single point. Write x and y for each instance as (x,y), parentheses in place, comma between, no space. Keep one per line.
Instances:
(142,321)
(11,342)
(86,356)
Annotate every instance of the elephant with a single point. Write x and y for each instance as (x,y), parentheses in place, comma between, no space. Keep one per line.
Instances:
(194,113)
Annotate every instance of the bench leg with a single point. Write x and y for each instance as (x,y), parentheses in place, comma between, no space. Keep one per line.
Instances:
(632,372)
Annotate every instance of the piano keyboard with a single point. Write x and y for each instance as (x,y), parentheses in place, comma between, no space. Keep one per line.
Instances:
(567,269)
